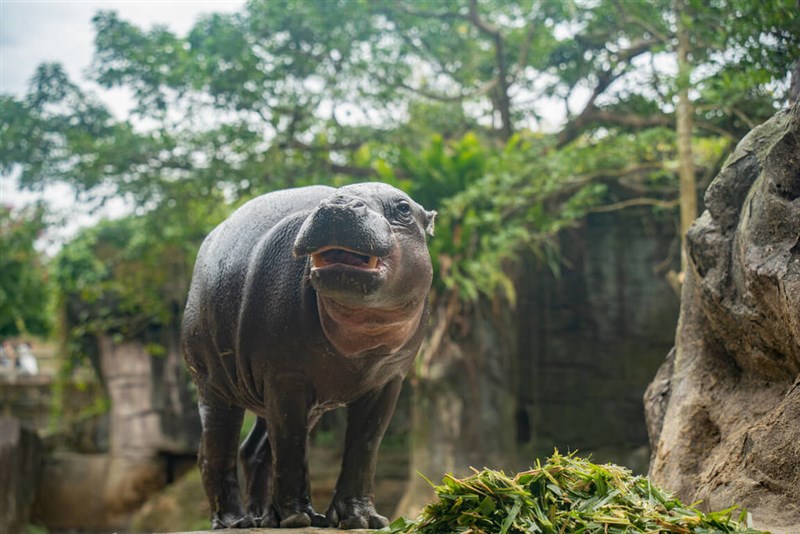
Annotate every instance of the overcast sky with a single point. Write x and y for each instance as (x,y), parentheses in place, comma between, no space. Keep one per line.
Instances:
(33,31)
(36,31)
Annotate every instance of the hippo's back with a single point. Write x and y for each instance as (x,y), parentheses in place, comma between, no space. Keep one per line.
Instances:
(220,272)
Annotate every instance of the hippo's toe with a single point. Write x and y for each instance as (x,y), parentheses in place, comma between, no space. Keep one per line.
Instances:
(318,520)
(299,517)
(355,513)
(228,520)
(377,521)
(266,520)
(297,520)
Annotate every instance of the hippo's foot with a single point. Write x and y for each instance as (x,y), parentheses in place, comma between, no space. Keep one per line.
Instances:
(230,520)
(355,512)
(264,519)
(305,516)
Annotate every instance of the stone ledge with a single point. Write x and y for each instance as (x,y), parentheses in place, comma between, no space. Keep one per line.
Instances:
(309,530)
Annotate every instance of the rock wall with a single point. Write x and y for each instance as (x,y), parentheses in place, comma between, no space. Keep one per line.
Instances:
(20,465)
(567,368)
(724,411)
(591,337)
(152,410)
(153,421)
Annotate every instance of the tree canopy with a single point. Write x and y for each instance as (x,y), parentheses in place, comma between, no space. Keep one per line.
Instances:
(24,298)
(512,119)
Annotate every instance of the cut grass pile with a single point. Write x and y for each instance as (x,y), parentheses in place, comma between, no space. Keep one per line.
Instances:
(566,495)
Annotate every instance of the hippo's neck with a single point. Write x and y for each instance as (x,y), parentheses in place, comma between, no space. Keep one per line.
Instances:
(354,331)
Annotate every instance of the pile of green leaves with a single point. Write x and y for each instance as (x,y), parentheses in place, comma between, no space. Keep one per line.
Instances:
(565,495)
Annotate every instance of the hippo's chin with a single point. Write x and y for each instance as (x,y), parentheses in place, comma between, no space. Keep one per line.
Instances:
(346,283)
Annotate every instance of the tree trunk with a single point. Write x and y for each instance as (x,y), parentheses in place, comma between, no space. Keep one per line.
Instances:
(685,111)
(502,101)
(794,87)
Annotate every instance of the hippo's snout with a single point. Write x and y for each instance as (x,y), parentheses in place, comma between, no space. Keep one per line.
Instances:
(347,223)
(344,201)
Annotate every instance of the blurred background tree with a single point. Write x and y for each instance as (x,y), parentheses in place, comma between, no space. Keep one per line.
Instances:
(515,120)
(24,285)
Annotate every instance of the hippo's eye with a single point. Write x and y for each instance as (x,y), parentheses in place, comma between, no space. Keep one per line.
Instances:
(404,209)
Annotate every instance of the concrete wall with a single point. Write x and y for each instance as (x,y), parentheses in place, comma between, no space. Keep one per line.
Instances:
(591,338)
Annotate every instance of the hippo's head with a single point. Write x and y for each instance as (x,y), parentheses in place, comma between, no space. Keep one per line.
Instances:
(369,264)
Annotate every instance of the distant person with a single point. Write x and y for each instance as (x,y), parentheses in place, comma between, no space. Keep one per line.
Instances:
(26,361)
(7,359)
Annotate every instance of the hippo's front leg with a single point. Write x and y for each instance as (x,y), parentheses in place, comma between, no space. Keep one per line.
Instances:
(353,504)
(288,426)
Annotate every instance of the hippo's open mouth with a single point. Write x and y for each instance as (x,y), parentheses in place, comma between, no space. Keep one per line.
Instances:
(334,256)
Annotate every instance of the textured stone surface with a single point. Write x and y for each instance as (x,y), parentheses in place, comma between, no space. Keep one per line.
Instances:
(724,414)
(152,411)
(153,421)
(93,492)
(20,457)
(592,338)
(566,368)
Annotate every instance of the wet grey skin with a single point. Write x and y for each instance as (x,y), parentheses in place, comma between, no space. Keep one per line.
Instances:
(304,300)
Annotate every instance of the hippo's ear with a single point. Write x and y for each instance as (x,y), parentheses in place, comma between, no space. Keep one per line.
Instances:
(430,218)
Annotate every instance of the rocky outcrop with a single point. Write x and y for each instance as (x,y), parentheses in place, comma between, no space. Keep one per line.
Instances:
(724,412)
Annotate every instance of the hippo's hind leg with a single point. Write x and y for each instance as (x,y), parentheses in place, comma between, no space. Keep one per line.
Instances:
(217,460)
(353,504)
(256,457)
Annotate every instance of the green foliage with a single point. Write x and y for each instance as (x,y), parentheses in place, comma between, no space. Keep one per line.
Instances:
(31,528)
(125,276)
(565,494)
(24,297)
(517,206)
(498,205)
(442,100)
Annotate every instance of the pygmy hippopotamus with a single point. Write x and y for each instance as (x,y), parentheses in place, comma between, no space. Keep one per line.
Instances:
(302,301)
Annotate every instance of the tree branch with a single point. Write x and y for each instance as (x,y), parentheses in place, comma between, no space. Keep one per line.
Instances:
(481,24)
(522,59)
(503,100)
(632,120)
(637,48)
(442,15)
(480,91)
(662,38)
(616,206)
(606,77)
(716,129)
